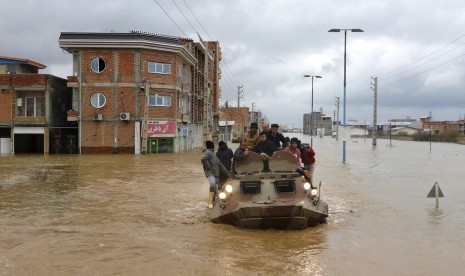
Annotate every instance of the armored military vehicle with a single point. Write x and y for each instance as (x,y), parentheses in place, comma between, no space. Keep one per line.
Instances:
(280,197)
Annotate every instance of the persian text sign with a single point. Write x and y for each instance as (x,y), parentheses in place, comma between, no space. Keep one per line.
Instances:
(161,129)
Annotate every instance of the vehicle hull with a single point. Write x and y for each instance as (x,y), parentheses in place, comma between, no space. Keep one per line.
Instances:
(287,215)
(279,198)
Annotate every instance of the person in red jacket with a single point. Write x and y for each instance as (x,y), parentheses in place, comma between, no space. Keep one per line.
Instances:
(308,158)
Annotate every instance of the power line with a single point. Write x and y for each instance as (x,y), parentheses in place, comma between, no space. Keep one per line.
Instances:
(425,57)
(429,69)
(223,64)
(426,62)
(184,16)
(200,24)
(227,71)
(172,20)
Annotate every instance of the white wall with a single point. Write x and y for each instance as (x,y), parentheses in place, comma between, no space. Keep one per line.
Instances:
(5,145)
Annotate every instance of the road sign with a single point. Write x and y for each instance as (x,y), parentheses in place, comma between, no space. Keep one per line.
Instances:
(435,191)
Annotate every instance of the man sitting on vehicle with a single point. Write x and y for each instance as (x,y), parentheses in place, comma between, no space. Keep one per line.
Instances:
(266,128)
(240,153)
(251,138)
(265,148)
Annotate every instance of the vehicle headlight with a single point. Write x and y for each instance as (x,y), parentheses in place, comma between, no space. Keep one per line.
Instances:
(314,192)
(228,188)
(222,195)
(307,186)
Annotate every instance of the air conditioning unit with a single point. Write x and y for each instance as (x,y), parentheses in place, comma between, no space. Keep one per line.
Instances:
(98,117)
(125,116)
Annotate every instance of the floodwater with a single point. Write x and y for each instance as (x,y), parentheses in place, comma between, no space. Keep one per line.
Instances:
(146,215)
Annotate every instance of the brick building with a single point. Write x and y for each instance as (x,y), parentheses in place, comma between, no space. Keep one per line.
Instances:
(238,121)
(142,93)
(439,127)
(33,110)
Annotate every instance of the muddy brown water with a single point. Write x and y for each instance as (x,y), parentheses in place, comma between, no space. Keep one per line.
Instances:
(146,215)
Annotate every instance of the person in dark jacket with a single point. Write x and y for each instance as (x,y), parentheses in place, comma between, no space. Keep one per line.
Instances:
(240,154)
(265,148)
(276,137)
(213,169)
(225,155)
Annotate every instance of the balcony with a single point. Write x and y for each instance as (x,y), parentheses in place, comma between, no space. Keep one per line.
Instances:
(73,81)
(72,116)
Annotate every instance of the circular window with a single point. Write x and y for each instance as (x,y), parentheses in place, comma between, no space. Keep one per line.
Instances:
(98,100)
(97,64)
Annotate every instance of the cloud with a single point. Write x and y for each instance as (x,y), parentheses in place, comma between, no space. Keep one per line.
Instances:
(415,48)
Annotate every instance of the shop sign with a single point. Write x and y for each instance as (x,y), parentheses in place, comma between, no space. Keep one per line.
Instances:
(161,129)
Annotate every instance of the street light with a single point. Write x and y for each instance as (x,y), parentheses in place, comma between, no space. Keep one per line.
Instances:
(344,96)
(311,114)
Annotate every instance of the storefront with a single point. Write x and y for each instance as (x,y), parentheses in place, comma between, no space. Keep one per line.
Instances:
(161,136)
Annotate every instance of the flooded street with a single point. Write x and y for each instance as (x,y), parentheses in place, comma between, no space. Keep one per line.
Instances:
(146,215)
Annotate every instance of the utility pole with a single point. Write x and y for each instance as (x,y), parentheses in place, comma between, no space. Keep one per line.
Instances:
(430,130)
(206,97)
(146,87)
(374,133)
(337,118)
(253,112)
(344,95)
(227,122)
(239,96)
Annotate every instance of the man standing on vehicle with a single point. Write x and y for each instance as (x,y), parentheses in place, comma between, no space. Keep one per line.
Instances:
(276,137)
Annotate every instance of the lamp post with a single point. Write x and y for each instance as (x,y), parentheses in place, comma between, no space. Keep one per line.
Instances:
(344,95)
(311,114)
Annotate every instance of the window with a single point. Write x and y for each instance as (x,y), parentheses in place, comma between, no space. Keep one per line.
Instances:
(183,104)
(98,100)
(155,100)
(33,107)
(159,68)
(97,64)
(184,73)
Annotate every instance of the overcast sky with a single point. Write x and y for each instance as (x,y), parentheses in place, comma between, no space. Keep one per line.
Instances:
(416,48)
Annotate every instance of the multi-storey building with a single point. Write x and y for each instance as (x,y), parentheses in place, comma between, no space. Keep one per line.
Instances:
(317,123)
(142,93)
(33,110)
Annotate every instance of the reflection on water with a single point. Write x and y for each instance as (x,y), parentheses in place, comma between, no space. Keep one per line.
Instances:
(146,215)
(437,215)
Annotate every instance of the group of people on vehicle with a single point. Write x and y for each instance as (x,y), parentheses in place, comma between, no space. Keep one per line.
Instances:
(217,166)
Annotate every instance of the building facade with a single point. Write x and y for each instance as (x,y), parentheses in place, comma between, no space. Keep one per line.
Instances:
(317,123)
(141,93)
(33,110)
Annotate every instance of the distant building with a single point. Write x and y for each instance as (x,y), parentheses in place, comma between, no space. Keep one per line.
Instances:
(440,127)
(404,130)
(317,123)
(33,109)
(241,118)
